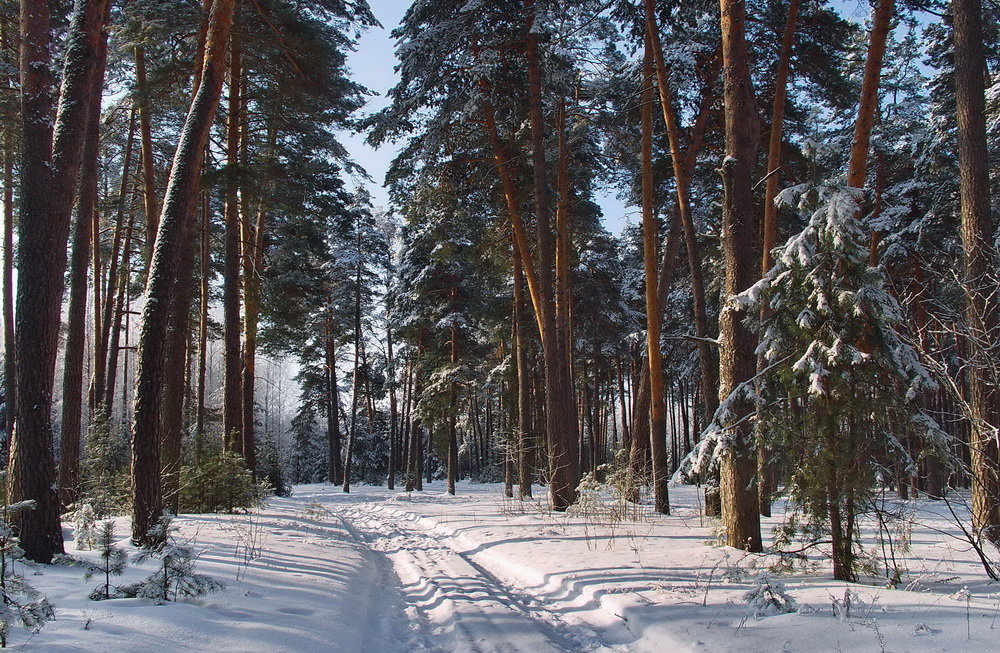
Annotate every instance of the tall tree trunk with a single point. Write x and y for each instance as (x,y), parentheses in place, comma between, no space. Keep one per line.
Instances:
(104,317)
(453,401)
(737,360)
(335,469)
(650,238)
(119,311)
(356,376)
(232,410)
(979,270)
(203,296)
(560,409)
(76,322)
(683,168)
(766,478)
(172,239)
(563,252)
(393,408)
(49,170)
(10,388)
(146,146)
(524,448)
(857,171)
(253,259)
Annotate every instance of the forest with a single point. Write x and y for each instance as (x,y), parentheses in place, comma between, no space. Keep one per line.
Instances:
(732,260)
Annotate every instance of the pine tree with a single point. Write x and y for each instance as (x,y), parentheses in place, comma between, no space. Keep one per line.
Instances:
(843,388)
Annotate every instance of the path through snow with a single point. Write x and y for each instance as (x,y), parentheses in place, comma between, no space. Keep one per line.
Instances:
(458,604)
(385,572)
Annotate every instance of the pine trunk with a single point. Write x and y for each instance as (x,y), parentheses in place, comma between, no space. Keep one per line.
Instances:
(857,171)
(107,299)
(766,474)
(172,239)
(524,448)
(335,469)
(560,408)
(232,409)
(50,167)
(85,242)
(737,360)
(203,296)
(650,238)
(453,400)
(682,182)
(10,389)
(356,376)
(253,260)
(146,146)
(979,270)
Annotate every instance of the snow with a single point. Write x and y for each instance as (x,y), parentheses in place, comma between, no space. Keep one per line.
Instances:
(377,570)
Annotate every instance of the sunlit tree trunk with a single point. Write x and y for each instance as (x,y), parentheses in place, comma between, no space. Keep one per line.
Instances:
(650,238)
(560,408)
(765,471)
(146,147)
(103,317)
(172,239)
(979,269)
(737,360)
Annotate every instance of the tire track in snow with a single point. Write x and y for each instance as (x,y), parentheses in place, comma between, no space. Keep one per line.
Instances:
(462,605)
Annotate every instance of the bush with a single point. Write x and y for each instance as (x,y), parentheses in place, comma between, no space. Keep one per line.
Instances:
(220,483)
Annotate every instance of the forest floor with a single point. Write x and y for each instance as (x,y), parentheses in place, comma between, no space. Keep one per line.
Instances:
(394,572)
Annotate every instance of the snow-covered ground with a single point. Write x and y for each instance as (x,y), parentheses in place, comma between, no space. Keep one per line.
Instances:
(390,572)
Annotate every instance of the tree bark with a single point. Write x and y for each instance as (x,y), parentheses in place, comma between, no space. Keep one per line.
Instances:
(524,448)
(560,408)
(683,168)
(107,299)
(393,407)
(172,239)
(10,388)
(146,146)
(334,461)
(979,269)
(232,409)
(453,400)
(253,260)
(85,233)
(765,472)
(203,295)
(50,165)
(737,360)
(857,170)
(120,307)
(650,238)
(356,376)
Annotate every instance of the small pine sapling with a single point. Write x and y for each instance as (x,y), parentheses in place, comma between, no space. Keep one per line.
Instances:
(114,559)
(20,601)
(84,527)
(176,577)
